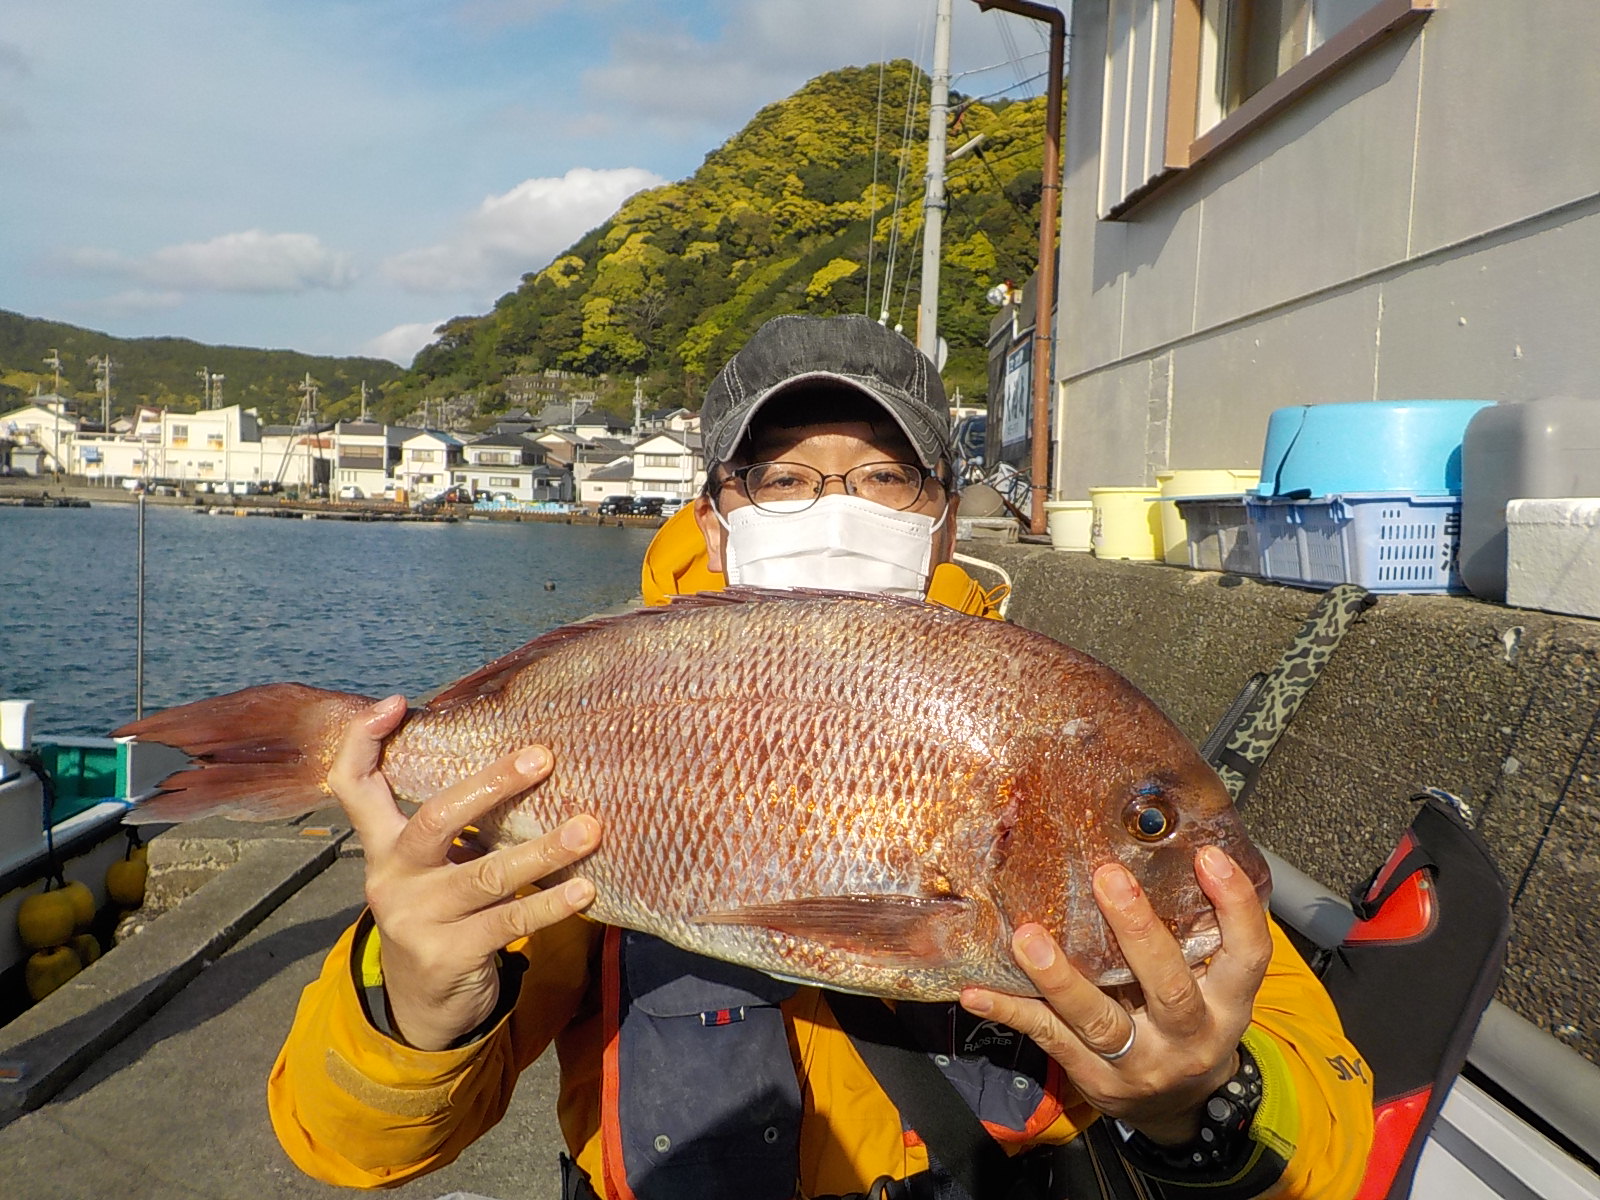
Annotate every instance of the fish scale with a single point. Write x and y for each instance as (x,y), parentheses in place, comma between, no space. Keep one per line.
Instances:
(866,792)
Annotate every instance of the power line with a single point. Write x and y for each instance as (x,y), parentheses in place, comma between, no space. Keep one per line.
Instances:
(996,66)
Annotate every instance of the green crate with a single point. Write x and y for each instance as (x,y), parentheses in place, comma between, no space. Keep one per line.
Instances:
(84,773)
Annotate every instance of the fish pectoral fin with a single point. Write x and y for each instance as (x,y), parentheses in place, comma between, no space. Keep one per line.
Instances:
(908,930)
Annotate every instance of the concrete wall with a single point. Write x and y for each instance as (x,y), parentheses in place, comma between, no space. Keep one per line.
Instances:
(1421,224)
(1500,706)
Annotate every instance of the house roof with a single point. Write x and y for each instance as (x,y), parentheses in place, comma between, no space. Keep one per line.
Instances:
(617,472)
(686,441)
(563,412)
(501,439)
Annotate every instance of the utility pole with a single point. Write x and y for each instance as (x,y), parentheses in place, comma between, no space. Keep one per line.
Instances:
(363,401)
(638,407)
(1049,212)
(307,421)
(102,373)
(53,361)
(933,204)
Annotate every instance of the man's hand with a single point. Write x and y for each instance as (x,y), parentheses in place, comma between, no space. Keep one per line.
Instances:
(441,921)
(1185,1030)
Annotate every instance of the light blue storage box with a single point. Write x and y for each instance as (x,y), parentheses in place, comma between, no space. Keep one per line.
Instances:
(1411,446)
(1385,542)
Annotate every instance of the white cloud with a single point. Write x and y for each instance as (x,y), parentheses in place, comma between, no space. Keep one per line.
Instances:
(252,261)
(518,231)
(138,300)
(400,344)
(680,77)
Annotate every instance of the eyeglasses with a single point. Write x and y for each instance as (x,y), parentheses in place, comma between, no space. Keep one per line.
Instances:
(776,485)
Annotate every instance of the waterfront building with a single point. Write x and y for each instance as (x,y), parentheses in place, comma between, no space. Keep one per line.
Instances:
(41,435)
(508,465)
(427,460)
(668,464)
(366,455)
(612,479)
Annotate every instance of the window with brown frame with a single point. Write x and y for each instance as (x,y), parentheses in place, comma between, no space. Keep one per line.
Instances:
(1185,77)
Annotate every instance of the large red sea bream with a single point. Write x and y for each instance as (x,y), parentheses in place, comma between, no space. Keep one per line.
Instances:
(864,792)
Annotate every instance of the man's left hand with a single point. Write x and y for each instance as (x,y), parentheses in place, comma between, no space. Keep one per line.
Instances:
(1186,1028)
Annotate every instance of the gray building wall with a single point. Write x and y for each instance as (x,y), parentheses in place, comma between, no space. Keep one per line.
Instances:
(1425,223)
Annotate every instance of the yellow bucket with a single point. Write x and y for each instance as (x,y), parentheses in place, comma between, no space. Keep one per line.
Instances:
(1126,523)
(1070,522)
(1178,484)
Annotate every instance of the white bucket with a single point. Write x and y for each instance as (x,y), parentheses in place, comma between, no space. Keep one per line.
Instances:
(16,725)
(1070,522)
(1178,484)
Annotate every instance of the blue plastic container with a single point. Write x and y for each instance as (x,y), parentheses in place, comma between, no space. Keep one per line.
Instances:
(1411,446)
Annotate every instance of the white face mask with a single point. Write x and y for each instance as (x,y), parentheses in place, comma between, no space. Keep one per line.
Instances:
(840,542)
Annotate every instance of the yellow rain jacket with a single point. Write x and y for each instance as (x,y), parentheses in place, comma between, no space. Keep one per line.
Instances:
(352,1106)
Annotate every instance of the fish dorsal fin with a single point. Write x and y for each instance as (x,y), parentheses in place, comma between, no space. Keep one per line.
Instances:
(492,678)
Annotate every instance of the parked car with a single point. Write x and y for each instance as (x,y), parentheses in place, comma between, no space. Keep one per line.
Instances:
(351,492)
(647,506)
(671,505)
(615,506)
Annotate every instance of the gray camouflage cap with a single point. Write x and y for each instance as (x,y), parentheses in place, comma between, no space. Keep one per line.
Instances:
(853,351)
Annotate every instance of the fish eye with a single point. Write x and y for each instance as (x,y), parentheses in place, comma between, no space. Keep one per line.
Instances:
(1149,818)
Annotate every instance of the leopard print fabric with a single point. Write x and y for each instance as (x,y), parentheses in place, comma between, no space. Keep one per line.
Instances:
(1258,731)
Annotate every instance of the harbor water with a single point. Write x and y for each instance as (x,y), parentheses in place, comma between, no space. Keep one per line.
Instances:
(230,602)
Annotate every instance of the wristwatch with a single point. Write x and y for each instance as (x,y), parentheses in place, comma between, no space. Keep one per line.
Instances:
(1223,1141)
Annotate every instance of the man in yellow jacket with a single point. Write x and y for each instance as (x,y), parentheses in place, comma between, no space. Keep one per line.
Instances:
(828,445)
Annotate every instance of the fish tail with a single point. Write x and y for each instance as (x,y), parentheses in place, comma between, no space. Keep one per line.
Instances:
(260,754)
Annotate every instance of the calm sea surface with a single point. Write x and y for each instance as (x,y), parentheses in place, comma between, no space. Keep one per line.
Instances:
(230,602)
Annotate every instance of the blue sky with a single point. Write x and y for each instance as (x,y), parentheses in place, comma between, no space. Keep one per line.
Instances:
(339,176)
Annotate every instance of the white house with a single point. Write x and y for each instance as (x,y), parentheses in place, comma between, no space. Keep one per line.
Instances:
(668,464)
(613,479)
(366,455)
(427,460)
(41,432)
(506,464)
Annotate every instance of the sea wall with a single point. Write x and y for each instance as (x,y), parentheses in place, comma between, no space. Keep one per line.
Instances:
(1500,706)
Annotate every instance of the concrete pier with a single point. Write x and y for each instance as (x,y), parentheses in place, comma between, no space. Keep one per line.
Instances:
(1500,706)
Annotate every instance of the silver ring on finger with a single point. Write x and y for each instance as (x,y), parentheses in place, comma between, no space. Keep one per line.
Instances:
(1113,1056)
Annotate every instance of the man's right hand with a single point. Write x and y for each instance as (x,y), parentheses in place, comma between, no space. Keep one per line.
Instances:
(441,922)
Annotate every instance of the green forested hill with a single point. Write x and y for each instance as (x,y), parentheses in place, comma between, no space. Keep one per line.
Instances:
(166,371)
(782,218)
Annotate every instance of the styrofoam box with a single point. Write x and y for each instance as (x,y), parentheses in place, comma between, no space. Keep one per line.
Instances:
(1553,555)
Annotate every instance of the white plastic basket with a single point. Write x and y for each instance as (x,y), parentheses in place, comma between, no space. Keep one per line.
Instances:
(1382,541)
(1217,529)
